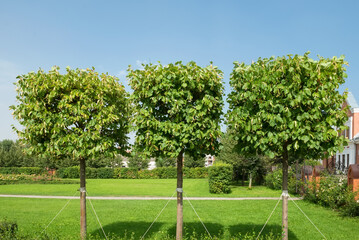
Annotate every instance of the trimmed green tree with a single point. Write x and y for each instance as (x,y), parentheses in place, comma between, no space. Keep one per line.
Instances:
(79,114)
(288,106)
(179,111)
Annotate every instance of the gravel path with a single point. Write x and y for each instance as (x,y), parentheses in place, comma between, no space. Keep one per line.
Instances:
(147,198)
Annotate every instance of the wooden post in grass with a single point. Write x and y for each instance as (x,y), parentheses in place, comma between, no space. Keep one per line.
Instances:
(83,198)
(285,195)
(179,228)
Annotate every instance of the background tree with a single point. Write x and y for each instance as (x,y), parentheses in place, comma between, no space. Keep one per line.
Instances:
(179,110)
(288,106)
(191,162)
(79,114)
(12,155)
(244,167)
(138,161)
(165,162)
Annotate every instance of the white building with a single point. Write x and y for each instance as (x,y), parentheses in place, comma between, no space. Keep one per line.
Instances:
(350,155)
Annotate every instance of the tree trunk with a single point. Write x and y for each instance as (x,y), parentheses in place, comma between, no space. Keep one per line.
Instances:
(83,198)
(296,176)
(179,230)
(243,176)
(285,195)
(250,181)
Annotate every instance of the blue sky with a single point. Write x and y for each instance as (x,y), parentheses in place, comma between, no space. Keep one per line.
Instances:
(110,35)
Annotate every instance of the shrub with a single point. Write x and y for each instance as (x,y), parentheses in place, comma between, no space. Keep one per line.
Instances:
(198,172)
(24,170)
(274,180)
(8,229)
(219,178)
(105,173)
(147,174)
(69,172)
(166,172)
(333,192)
(30,179)
(126,173)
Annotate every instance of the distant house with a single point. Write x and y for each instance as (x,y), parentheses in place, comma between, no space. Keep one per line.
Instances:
(350,155)
(209,160)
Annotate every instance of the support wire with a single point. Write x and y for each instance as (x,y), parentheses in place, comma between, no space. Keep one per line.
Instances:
(57,214)
(307,217)
(197,215)
(158,216)
(269,217)
(98,220)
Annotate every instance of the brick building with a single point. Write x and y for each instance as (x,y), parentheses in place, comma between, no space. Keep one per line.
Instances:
(350,155)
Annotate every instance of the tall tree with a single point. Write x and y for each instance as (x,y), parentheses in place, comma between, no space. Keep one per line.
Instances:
(80,114)
(179,111)
(243,166)
(288,106)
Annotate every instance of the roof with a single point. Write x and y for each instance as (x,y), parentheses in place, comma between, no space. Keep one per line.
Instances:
(351,101)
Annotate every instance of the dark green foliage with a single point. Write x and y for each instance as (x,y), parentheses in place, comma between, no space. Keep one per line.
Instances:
(8,229)
(192,162)
(243,166)
(138,161)
(274,180)
(132,173)
(101,173)
(165,162)
(24,170)
(74,172)
(12,155)
(219,178)
(70,172)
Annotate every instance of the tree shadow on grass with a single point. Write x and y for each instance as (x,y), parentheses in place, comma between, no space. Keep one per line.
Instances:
(128,229)
(250,228)
(191,228)
(137,229)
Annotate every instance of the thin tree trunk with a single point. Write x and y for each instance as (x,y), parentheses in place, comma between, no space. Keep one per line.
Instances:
(296,176)
(83,197)
(285,195)
(250,181)
(179,230)
(243,176)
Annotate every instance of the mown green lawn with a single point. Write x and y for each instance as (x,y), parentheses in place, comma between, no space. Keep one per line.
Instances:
(222,218)
(135,187)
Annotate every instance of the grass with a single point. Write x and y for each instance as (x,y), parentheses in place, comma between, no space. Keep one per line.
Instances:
(136,187)
(222,218)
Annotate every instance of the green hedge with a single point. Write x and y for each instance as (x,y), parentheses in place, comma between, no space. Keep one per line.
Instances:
(219,178)
(132,173)
(24,170)
(274,181)
(74,172)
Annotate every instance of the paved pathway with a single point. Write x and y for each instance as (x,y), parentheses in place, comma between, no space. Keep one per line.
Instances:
(148,198)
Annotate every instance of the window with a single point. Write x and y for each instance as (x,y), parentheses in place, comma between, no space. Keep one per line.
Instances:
(347,160)
(343,162)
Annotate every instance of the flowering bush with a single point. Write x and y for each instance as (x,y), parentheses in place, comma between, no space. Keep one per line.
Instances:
(31,178)
(332,191)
